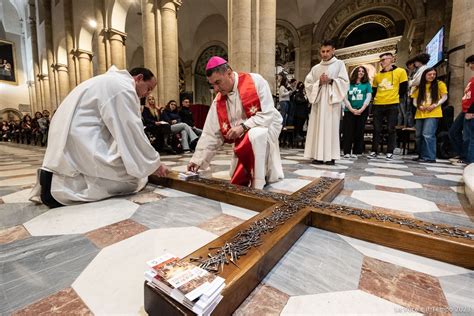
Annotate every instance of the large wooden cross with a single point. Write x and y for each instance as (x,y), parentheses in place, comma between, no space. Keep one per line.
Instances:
(449,244)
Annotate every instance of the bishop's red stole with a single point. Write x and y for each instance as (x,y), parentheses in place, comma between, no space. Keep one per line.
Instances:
(243,148)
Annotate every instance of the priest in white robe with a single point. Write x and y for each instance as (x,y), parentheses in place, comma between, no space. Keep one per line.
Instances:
(326,86)
(243,108)
(97,147)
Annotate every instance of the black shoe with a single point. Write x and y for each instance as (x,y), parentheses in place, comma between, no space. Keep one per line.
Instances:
(193,144)
(317,162)
(168,150)
(330,163)
(417,159)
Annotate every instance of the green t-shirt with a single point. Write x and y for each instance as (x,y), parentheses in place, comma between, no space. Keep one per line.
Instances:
(357,94)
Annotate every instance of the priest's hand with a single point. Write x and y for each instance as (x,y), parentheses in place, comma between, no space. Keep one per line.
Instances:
(324,79)
(162,171)
(193,167)
(235,132)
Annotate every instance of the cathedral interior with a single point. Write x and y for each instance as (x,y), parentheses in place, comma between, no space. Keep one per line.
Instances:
(90,258)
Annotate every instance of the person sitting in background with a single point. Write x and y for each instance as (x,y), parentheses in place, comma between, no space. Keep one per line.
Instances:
(189,138)
(5,131)
(26,129)
(356,112)
(427,98)
(187,116)
(158,128)
(36,131)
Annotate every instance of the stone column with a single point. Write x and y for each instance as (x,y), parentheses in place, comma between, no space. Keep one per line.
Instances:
(159,56)
(117,44)
(85,64)
(32,95)
(149,42)
(266,41)
(100,37)
(255,35)
(71,66)
(63,80)
(461,46)
(169,35)
(40,89)
(46,92)
(34,49)
(48,29)
(240,34)
(306,42)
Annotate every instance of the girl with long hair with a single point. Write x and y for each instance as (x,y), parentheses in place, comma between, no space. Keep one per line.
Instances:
(356,112)
(427,98)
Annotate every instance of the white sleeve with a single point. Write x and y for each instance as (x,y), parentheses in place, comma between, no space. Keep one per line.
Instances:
(311,85)
(122,118)
(340,85)
(210,141)
(265,117)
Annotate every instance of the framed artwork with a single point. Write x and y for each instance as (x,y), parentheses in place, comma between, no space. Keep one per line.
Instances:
(8,72)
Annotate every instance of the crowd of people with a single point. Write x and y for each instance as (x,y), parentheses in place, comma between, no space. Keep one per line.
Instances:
(113,123)
(27,130)
(171,129)
(397,99)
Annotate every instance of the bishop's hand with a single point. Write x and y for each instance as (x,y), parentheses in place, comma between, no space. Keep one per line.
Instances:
(193,167)
(235,132)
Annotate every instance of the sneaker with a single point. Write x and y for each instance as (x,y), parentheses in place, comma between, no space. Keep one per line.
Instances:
(454,159)
(459,162)
(353,156)
(389,156)
(417,159)
(347,156)
(372,155)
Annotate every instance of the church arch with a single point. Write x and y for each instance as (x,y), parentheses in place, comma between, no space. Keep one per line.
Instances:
(367,28)
(286,49)
(202,94)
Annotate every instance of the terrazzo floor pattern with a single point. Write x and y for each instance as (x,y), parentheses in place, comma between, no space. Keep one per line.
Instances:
(53,260)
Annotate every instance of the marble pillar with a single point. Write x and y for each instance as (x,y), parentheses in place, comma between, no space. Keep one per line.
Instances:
(169,27)
(47,104)
(149,42)
(62,80)
(255,34)
(461,46)
(240,34)
(304,61)
(117,45)
(100,37)
(266,41)
(160,88)
(34,50)
(84,59)
(69,32)
(32,95)
(48,30)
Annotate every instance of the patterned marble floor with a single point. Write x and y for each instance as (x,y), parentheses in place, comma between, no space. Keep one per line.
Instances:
(89,259)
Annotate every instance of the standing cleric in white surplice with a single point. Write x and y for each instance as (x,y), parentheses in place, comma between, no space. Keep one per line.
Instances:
(97,147)
(263,127)
(326,86)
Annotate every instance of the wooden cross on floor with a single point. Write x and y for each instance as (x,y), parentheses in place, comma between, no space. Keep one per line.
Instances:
(449,244)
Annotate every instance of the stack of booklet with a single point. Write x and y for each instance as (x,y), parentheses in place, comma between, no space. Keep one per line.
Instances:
(194,287)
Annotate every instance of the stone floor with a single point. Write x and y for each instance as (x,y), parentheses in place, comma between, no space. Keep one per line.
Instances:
(90,258)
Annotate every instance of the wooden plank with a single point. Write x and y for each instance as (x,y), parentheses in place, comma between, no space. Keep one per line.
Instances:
(247,201)
(458,251)
(252,268)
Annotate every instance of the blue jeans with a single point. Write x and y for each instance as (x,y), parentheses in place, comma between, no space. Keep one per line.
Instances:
(456,137)
(426,137)
(468,140)
(285,111)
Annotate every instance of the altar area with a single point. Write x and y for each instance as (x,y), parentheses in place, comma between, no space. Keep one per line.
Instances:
(90,258)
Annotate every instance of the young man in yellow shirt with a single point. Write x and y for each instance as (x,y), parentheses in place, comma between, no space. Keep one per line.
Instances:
(388,85)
